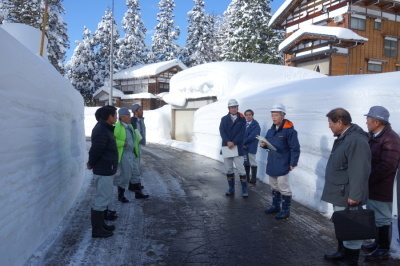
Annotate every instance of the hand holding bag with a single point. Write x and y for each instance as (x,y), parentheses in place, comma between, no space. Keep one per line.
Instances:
(354,224)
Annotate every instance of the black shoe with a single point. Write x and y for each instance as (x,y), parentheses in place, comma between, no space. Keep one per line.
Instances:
(110,215)
(140,195)
(121,196)
(378,255)
(338,255)
(108,227)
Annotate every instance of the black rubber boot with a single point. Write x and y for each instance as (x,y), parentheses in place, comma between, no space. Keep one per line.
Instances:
(131,187)
(97,219)
(382,251)
(106,226)
(138,192)
(350,257)
(338,255)
(110,215)
(285,212)
(247,169)
(121,196)
(276,202)
(253,179)
(371,247)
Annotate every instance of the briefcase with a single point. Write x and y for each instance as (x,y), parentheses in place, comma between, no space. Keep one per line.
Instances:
(354,224)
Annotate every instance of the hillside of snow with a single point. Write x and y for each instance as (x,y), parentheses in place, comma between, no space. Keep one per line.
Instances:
(42,150)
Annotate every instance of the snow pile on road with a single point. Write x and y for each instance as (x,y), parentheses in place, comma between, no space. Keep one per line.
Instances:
(42,149)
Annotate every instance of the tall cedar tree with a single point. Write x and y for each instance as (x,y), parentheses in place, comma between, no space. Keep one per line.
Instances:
(164,48)
(81,69)
(132,47)
(245,35)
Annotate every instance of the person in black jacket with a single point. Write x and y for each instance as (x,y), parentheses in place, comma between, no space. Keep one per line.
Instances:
(385,148)
(103,160)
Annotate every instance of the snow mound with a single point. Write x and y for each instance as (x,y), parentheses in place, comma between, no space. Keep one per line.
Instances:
(42,149)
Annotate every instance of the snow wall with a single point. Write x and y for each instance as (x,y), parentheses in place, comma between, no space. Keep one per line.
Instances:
(42,151)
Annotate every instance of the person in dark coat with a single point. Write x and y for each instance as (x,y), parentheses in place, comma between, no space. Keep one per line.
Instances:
(385,150)
(232,129)
(250,145)
(103,160)
(346,175)
(283,137)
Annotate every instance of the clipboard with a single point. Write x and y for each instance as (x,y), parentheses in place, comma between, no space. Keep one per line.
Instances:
(229,153)
(269,145)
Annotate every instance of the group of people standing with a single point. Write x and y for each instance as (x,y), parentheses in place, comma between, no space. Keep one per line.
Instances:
(115,145)
(360,170)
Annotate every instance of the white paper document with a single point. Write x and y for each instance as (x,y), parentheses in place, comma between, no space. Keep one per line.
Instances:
(269,145)
(229,153)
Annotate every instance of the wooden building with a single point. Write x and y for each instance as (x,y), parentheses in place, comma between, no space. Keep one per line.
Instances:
(363,35)
(142,84)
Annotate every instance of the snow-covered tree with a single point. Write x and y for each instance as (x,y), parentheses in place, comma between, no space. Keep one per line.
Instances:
(4,9)
(81,69)
(57,35)
(244,33)
(101,42)
(132,47)
(201,39)
(25,12)
(164,47)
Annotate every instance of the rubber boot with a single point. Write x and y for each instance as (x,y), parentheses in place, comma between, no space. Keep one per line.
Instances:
(243,181)
(276,202)
(371,247)
(286,203)
(382,251)
(106,226)
(247,169)
(110,215)
(231,183)
(97,219)
(253,179)
(338,255)
(350,257)
(121,196)
(131,187)
(138,192)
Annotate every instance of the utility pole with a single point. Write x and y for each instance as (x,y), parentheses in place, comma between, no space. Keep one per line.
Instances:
(110,100)
(44,24)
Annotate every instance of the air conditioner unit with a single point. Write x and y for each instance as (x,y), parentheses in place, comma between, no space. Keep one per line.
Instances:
(338,19)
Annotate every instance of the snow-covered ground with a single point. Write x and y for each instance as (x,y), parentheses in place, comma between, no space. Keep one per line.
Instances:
(307,99)
(42,149)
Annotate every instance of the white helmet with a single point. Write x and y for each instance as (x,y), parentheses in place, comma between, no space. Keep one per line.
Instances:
(232,102)
(278,108)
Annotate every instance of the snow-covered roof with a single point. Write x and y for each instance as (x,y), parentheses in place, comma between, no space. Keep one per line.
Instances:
(323,31)
(143,95)
(280,10)
(106,89)
(148,70)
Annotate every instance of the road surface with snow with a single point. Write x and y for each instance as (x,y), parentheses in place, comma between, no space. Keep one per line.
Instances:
(188,220)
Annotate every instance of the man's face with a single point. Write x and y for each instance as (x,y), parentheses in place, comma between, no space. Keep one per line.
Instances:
(112,119)
(372,124)
(125,118)
(248,116)
(277,118)
(336,128)
(233,110)
(139,112)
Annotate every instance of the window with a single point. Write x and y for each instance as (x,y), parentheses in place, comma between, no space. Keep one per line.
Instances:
(377,24)
(391,47)
(374,67)
(357,23)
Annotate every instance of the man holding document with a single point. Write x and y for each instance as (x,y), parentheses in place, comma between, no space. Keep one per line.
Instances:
(232,130)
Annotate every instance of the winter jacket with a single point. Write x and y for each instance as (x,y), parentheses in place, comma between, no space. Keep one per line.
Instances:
(103,154)
(120,137)
(385,151)
(285,140)
(348,168)
(233,131)
(252,131)
(134,122)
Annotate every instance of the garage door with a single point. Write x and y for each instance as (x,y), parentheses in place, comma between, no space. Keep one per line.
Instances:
(184,124)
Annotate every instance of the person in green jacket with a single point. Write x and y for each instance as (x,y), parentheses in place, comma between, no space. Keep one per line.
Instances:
(128,154)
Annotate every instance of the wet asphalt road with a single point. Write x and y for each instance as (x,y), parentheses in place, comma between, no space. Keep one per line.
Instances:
(188,220)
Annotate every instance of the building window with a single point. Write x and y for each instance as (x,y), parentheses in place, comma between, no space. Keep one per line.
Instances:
(377,24)
(391,47)
(374,67)
(357,23)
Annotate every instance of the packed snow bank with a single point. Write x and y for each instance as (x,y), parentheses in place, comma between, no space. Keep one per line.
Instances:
(223,79)
(42,149)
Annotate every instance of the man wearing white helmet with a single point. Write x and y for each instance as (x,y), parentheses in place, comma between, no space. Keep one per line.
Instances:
(283,137)
(232,130)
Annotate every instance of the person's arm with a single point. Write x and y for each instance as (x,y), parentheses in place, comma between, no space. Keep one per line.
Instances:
(223,134)
(99,142)
(294,147)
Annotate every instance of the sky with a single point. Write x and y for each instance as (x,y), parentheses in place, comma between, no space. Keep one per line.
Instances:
(89,13)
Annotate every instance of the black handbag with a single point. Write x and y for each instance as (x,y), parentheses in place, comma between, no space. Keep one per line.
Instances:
(354,224)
